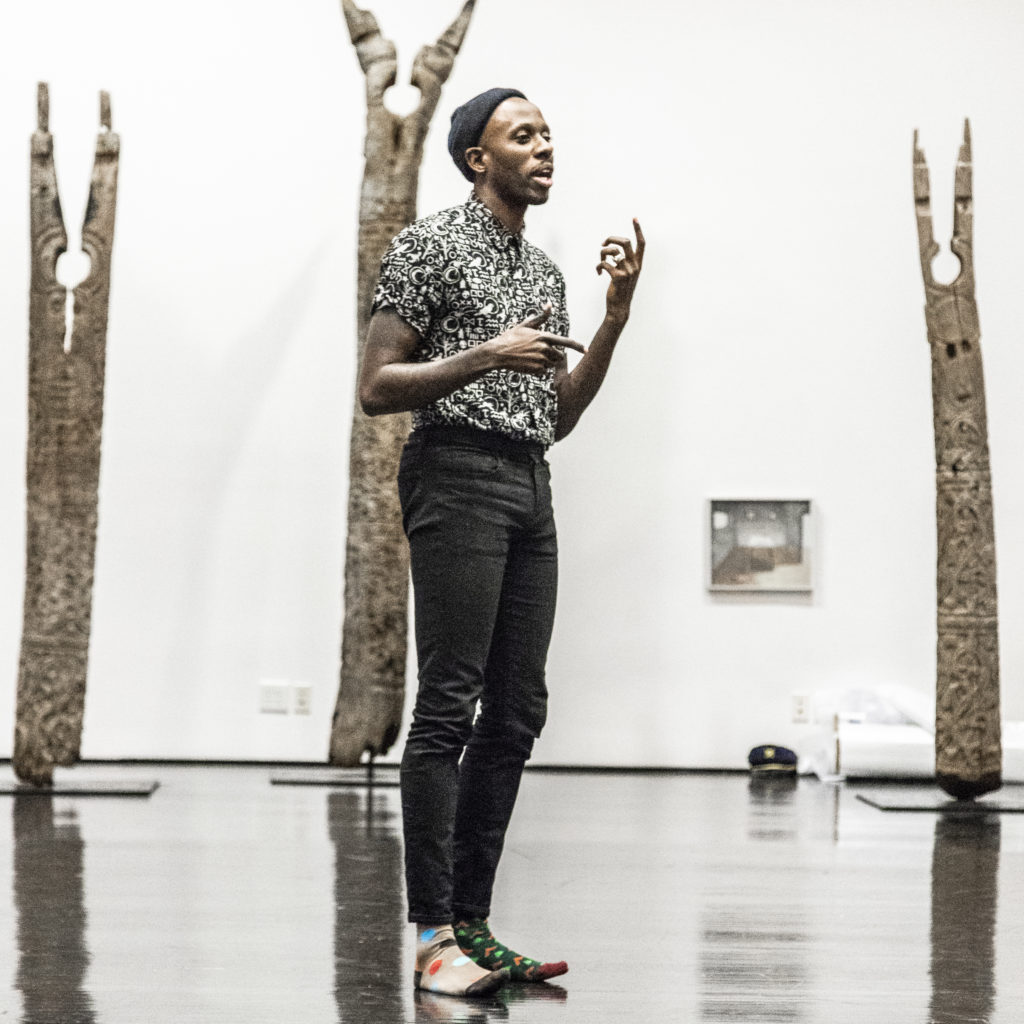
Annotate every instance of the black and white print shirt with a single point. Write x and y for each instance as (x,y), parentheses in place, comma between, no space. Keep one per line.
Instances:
(459,278)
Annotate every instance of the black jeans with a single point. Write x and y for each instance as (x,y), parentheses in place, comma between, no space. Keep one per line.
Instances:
(477,512)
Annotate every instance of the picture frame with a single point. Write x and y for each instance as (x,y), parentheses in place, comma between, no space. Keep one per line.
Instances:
(760,545)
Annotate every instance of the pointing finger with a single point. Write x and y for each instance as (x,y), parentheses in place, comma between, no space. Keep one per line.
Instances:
(538,318)
(641,242)
(560,342)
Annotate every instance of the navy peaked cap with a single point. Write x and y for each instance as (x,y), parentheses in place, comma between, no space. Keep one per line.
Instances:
(770,757)
(469,121)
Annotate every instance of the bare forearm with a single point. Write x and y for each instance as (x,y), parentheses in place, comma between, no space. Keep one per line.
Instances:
(391,380)
(576,390)
(402,387)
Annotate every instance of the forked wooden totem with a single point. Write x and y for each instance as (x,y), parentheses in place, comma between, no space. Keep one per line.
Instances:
(968,748)
(65,421)
(371,693)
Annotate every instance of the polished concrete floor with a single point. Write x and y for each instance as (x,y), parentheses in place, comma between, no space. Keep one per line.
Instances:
(675,898)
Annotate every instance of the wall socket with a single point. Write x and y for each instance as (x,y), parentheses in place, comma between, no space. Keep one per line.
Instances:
(800,708)
(283,697)
(302,699)
(275,696)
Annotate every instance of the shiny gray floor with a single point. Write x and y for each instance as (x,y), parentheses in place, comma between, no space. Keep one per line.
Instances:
(688,898)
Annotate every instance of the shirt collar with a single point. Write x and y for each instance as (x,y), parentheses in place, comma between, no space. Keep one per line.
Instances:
(496,232)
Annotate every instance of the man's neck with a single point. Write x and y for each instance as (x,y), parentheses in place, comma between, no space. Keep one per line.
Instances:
(511,216)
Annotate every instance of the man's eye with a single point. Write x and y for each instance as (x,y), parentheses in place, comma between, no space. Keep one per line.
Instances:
(522,139)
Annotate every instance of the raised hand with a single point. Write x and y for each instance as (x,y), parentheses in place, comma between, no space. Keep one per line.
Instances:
(623,264)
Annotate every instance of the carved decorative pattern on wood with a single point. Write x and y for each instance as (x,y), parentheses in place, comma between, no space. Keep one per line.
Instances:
(968,746)
(371,692)
(65,405)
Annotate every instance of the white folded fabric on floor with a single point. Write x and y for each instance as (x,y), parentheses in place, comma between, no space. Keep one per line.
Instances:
(880,751)
(867,750)
(1013,751)
(886,732)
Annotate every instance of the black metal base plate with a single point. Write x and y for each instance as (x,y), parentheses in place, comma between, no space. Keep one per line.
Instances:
(377,778)
(83,787)
(939,803)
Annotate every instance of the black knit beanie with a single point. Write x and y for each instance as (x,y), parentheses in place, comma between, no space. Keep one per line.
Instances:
(469,121)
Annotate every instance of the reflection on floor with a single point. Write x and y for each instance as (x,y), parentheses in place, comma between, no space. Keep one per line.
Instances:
(689,898)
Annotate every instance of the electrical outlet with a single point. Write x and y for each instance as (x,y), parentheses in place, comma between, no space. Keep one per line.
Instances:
(274,695)
(800,705)
(302,698)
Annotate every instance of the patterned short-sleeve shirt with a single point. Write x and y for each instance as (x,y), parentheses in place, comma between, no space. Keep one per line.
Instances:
(459,278)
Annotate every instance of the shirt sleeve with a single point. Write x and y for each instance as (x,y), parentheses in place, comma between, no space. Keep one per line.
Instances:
(559,323)
(410,281)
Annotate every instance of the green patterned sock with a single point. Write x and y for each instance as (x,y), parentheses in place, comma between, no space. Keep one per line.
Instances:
(477,941)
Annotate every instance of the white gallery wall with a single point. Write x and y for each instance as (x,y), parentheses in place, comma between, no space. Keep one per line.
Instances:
(777,347)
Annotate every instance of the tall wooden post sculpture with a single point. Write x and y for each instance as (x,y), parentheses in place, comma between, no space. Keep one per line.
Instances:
(968,750)
(65,420)
(368,713)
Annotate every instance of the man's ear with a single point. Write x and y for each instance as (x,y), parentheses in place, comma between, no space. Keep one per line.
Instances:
(475,159)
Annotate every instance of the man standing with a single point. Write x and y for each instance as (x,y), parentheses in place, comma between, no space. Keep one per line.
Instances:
(469,333)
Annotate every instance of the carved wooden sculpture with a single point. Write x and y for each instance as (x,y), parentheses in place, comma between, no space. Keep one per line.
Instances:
(968,751)
(65,420)
(371,693)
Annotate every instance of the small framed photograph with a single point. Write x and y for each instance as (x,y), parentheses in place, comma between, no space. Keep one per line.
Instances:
(760,545)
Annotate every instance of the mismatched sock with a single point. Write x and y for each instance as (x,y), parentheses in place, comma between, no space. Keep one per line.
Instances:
(442,967)
(476,940)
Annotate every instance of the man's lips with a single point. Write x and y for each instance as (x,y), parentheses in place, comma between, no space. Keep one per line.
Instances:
(543,175)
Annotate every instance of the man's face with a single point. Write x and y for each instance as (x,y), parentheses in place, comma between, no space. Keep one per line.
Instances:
(516,154)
